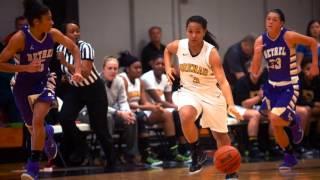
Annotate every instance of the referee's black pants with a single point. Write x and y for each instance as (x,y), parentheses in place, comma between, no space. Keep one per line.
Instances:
(95,98)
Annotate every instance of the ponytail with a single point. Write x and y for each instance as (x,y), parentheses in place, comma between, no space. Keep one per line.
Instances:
(210,38)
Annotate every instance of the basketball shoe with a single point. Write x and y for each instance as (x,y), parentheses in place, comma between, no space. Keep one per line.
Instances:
(32,171)
(288,162)
(198,159)
(297,131)
(50,148)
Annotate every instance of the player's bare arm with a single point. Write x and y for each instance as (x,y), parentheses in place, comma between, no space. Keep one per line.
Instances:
(62,39)
(215,63)
(16,44)
(257,56)
(294,38)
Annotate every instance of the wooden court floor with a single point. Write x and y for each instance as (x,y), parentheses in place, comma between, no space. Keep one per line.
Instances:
(307,169)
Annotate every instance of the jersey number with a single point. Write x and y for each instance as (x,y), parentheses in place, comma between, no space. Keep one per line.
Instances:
(196,80)
(275,63)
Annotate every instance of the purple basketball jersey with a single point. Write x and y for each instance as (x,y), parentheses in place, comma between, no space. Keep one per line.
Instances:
(34,83)
(281,91)
(277,54)
(35,50)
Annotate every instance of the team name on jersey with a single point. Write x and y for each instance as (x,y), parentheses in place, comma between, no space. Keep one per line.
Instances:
(276,51)
(133,94)
(194,69)
(43,54)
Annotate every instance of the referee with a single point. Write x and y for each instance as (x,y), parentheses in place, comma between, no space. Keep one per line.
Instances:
(90,93)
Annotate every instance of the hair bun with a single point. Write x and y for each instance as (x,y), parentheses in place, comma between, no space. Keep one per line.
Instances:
(126,59)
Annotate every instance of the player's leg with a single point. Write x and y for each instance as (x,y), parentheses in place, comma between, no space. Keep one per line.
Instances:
(278,125)
(189,110)
(215,117)
(304,112)
(37,139)
(188,114)
(48,96)
(41,109)
(283,115)
(223,139)
(282,139)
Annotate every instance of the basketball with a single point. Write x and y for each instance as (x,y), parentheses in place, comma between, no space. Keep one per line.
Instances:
(227,159)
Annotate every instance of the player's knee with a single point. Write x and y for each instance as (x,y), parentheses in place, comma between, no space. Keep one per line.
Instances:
(187,114)
(186,118)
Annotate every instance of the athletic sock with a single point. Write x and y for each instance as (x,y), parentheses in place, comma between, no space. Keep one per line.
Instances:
(35,155)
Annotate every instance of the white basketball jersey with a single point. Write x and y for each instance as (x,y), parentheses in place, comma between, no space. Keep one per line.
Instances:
(151,83)
(195,72)
(133,89)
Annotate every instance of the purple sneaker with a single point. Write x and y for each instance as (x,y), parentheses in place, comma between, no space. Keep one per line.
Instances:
(288,162)
(32,171)
(50,147)
(297,132)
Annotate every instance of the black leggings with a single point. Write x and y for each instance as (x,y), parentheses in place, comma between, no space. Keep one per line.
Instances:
(94,97)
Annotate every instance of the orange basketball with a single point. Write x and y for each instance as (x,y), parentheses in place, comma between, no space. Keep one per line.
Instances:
(227,159)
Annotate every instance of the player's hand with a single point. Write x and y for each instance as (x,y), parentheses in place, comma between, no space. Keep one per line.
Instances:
(234,112)
(314,71)
(170,72)
(77,77)
(35,66)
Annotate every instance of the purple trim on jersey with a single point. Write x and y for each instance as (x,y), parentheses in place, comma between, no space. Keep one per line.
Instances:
(277,54)
(33,83)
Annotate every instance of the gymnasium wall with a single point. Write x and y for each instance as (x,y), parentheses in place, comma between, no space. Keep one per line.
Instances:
(9,9)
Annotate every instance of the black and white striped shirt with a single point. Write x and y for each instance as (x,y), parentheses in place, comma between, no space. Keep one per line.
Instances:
(86,53)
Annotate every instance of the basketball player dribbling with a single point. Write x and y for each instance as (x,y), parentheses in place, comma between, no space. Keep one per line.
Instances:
(204,90)
(34,87)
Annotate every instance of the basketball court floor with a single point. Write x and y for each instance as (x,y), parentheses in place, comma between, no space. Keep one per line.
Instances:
(307,169)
